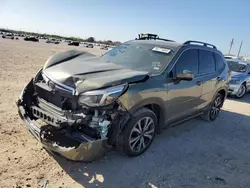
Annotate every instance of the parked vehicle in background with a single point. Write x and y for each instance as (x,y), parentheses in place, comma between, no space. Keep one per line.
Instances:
(54,41)
(8,36)
(31,38)
(239,84)
(124,97)
(74,43)
(104,47)
(230,57)
(88,45)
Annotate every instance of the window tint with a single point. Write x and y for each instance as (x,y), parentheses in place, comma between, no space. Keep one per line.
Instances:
(188,61)
(219,61)
(207,62)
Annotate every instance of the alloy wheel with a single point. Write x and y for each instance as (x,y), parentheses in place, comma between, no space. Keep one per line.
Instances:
(141,134)
(241,91)
(216,107)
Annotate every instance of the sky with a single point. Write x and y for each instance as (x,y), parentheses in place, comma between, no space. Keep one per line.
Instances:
(212,21)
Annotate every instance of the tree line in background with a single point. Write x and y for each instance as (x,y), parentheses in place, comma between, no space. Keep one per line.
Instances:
(90,39)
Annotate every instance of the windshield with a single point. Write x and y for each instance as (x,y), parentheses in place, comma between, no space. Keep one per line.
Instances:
(237,66)
(140,56)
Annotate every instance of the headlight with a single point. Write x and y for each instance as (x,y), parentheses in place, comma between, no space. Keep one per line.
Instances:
(101,97)
(235,81)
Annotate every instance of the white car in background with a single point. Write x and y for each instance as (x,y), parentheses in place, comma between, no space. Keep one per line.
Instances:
(8,36)
(54,41)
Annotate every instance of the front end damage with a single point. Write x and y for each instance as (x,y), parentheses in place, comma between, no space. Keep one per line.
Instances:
(54,117)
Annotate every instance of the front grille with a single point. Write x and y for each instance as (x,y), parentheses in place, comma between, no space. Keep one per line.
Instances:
(55,96)
(50,107)
(48,94)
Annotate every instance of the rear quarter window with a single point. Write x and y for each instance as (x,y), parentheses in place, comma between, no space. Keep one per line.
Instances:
(220,63)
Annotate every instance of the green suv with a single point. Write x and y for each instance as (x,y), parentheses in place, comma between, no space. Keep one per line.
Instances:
(78,104)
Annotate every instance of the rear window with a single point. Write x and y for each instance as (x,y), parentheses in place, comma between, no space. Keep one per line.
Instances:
(207,62)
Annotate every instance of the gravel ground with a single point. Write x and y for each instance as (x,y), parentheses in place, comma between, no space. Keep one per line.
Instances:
(193,154)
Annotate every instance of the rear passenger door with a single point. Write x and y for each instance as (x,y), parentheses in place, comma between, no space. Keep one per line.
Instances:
(208,75)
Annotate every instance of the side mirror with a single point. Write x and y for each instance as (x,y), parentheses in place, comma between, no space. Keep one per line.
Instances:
(186,75)
(249,73)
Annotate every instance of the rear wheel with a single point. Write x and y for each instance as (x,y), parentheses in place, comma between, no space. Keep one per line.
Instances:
(139,132)
(214,108)
(241,92)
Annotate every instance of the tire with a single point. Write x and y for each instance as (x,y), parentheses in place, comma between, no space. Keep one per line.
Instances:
(242,91)
(135,140)
(214,108)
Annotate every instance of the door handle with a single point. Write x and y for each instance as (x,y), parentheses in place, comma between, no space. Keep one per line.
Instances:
(198,83)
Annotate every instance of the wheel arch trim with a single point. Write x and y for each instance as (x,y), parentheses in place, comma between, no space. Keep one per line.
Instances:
(152,101)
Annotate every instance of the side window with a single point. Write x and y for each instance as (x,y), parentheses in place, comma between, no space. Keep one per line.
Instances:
(188,61)
(220,64)
(206,62)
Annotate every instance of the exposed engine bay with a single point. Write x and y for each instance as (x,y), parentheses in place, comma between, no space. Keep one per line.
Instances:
(55,117)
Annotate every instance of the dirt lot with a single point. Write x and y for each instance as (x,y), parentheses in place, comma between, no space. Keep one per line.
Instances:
(194,154)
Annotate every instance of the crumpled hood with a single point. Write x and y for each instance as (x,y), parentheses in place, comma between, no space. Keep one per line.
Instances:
(84,71)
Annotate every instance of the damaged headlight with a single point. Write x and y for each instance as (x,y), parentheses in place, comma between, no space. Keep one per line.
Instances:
(101,97)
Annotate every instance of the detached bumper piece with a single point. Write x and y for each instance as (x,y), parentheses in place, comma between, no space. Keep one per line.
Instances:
(75,146)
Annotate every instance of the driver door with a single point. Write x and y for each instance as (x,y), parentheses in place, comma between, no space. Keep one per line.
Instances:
(183,96)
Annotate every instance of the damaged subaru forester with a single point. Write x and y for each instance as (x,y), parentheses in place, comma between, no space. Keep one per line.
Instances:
(79,105)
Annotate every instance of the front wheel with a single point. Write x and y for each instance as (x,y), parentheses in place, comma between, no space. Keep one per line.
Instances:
(139,132)
(214,108)
(241,92)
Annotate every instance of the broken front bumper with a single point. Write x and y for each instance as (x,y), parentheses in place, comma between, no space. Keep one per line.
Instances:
(76,146)
(72,145)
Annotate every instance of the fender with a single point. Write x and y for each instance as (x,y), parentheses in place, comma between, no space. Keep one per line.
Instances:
(152,101)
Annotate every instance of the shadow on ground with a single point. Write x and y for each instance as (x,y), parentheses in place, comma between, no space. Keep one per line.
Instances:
(192,154)
(245,99)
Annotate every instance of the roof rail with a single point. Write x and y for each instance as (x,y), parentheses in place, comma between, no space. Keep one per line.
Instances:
(145,38)
(148,36)
(198,42)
